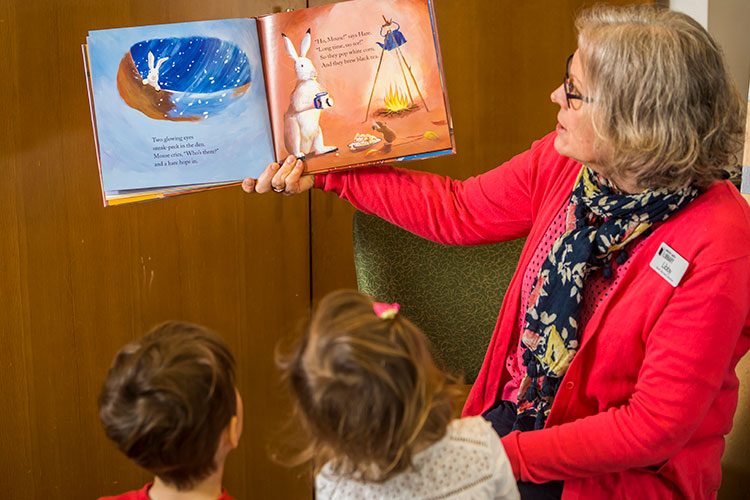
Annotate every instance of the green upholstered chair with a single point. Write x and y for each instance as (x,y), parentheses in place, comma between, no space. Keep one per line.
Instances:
(452,292)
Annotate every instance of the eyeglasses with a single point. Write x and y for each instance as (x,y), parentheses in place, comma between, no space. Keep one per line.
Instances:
(574,101)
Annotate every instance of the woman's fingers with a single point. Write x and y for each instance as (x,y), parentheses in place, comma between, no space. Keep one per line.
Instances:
(285,178)
(248,185)
(263,184)
(279,182)
(295,182)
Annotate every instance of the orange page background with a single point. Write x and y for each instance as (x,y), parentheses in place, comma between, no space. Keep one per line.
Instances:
(346,56)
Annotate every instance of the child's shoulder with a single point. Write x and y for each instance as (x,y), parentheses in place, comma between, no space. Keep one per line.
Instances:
(469,440)
(471,461)
(141,494)
(473,430)
(467,463)
(225,496)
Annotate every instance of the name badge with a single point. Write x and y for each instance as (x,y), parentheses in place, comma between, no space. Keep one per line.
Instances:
(669,264)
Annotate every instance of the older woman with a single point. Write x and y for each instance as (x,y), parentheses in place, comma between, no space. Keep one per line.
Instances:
(610,373)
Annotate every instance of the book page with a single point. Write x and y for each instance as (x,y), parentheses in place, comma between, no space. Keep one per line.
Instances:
(356,82)
(179,104)
(89,92)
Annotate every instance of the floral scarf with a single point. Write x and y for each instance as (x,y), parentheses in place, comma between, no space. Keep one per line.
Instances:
(599,224)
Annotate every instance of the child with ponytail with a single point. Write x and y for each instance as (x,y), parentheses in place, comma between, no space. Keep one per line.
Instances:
(378,414)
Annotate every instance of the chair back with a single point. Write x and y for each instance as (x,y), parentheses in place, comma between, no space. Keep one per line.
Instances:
(453,293)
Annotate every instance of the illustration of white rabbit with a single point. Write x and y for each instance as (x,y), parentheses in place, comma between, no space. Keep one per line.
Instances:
(153,71)
(302,132)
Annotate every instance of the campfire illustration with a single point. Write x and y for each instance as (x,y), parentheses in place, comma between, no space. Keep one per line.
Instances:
(396,101)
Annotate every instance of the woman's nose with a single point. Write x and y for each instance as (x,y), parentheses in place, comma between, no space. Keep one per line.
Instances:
(558,96)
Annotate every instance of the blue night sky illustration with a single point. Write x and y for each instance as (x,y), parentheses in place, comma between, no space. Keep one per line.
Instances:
(195,64)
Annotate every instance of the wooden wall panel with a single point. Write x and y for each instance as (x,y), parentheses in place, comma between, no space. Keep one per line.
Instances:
(79,280)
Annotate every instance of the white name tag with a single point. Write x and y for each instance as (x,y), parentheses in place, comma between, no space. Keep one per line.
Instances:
(669,264)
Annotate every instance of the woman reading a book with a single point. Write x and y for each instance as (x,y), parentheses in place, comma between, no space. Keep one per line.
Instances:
(610,373)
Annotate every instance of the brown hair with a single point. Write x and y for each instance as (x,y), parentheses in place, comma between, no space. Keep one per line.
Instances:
(366,389)
(665,107)
(167,399)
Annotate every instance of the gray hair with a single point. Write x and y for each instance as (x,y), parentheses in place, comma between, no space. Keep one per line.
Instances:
(666,112)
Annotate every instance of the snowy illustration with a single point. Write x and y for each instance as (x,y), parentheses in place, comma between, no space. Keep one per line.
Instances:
(179,104)
(201,77)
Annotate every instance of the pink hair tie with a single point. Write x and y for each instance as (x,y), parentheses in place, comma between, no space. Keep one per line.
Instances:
(385,311)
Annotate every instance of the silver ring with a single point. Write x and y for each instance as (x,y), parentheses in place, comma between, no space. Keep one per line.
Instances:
(278,190)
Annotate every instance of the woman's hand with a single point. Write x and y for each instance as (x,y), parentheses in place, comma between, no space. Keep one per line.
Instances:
(286,178)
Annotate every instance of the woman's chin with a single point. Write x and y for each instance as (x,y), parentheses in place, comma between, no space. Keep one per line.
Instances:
(561,145)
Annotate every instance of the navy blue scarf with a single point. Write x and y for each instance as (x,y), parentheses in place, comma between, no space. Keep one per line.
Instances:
(600,222)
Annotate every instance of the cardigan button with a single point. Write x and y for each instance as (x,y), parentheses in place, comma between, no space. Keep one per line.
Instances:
(569,385)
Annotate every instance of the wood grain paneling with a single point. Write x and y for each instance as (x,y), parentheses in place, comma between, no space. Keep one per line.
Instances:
(79,281)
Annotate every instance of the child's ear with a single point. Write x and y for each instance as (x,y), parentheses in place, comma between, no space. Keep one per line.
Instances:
(234,431)
(235,424)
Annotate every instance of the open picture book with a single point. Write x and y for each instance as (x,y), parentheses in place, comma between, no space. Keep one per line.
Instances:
(187,107)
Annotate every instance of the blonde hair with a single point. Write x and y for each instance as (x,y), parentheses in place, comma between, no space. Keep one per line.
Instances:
(666,111)
(366,390)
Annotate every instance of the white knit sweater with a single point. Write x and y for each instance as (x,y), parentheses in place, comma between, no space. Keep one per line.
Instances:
(468,463)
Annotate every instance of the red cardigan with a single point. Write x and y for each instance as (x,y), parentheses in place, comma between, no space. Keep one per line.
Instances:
(644,407)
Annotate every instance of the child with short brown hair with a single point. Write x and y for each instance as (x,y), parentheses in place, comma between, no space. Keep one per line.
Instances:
(170,404)
(379,414)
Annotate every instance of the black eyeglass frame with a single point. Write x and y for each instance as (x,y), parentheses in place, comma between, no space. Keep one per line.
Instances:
(568,84)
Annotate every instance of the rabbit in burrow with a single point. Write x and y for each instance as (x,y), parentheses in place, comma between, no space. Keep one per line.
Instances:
(153,71)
